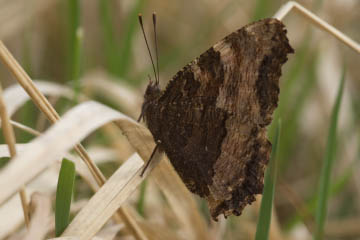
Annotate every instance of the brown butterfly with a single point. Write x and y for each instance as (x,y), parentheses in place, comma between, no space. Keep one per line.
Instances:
(211,119)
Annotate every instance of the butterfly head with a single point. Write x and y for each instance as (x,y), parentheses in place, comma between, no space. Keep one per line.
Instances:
(152,92)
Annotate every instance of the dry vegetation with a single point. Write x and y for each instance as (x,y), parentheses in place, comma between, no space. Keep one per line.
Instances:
(93,81)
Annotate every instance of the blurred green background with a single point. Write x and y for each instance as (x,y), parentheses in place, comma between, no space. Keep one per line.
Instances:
(68,41)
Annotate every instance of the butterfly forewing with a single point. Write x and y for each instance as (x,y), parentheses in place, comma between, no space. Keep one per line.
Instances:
(211,119)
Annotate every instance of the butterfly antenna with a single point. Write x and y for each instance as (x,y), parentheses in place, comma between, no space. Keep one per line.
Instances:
(156,47)
(147,45)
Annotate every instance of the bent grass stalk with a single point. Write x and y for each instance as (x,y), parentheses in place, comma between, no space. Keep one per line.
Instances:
(329,158)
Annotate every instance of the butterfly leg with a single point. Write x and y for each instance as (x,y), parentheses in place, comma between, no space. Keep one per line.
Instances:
(143,109)
(140,117)
(142,112)
(148,162)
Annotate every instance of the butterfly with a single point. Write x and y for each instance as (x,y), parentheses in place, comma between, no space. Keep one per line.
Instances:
(211,119)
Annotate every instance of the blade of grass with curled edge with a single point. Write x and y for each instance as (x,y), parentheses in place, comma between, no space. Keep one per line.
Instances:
(329,158)
(109,198)
(45,106)
(122,95)
(15,97)
(263,226)
(11,217)
(64,193)
(71,129)
(59,139)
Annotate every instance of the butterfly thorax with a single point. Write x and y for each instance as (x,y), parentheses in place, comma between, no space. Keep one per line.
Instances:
(152,92)
(149,107)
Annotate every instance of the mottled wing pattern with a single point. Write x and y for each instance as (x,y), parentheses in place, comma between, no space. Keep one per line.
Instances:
(211,119)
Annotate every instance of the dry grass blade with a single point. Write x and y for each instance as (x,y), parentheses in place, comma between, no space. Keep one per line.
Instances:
(54,144)
(109,198)
(110,232)
(186,211)
(102,154)
(68,131)
(15,96)
(40,220)
(24,80)
(182,202)
(10,215)
(114,90)
(158,232)
(10,140)
(74,126)
(25,128)
(8,131)
(177,194)
(286,8)
(43,104)
(81,169)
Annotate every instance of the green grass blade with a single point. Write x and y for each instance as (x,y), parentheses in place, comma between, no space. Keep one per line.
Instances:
(263,226)
(303,66)
(119,58)
(141,201)
(77,64)
(110,45)
(289,83)
(73,25)
(64,193)
(294,109)
(329,158)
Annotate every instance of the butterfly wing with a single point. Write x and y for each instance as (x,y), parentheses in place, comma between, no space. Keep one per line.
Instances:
(211,119)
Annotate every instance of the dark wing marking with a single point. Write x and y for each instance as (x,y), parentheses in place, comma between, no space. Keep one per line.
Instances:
(193,138)
(212,116)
